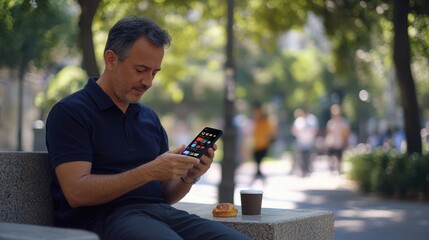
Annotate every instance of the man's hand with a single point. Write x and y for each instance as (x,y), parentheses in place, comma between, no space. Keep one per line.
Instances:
(171,165)
(176,190)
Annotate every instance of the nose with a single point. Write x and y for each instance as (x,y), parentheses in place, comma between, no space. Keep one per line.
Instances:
(147,79)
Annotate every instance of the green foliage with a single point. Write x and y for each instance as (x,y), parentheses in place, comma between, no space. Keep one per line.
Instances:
(392,174)
(66,81)
(362,49)
(262,21)
(29,31)
(292,78)
(192,69)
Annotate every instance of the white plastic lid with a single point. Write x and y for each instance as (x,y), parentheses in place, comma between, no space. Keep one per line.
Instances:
(251,191)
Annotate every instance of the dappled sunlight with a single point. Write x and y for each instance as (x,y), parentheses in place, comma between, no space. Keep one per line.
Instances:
(396,216)
(350,225)
(317,200)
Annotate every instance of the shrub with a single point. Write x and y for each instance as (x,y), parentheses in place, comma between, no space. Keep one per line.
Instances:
(392,174)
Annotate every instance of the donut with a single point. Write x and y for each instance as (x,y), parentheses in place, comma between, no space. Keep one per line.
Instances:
(224,210)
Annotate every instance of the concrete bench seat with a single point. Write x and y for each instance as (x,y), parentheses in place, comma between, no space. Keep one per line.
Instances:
(273,223)
(25,197)
(15,231)
(26,208)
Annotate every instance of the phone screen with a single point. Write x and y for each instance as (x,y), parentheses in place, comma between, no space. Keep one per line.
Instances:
(202,142)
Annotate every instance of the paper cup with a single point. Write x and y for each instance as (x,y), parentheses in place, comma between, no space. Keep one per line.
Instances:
(251,201)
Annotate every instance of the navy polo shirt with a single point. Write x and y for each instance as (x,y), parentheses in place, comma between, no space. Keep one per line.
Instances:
(88,126)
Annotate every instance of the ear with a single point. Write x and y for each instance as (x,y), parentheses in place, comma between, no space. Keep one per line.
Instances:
(110,59)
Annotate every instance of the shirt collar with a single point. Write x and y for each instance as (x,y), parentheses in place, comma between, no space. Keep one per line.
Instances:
(97,94)
(103,100)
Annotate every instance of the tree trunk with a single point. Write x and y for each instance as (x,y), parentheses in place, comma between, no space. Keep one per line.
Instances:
(23,67)
(227,186)
(401,58)
(88,10)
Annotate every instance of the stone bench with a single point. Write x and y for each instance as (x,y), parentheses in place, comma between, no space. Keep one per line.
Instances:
(273,223)
(26,205)
(26,208)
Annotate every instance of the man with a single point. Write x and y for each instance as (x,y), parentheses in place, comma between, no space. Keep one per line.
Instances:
(114,174)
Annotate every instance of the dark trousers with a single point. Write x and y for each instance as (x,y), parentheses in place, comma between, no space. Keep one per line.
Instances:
(305,162)
(258,155)
(336,156)
(160,221)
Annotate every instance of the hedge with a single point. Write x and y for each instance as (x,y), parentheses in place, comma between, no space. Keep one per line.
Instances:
(392,174)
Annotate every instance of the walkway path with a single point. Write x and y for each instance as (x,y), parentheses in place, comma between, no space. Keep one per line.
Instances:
(356,216)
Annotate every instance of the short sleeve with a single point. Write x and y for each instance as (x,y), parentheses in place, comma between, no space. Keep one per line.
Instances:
(67,135)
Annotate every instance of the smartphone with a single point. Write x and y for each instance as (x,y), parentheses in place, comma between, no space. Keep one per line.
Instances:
(202,142)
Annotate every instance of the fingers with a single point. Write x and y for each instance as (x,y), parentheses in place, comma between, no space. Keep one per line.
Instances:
(185,163)
(171,165)
(211,151)
(176,165)
(204,164)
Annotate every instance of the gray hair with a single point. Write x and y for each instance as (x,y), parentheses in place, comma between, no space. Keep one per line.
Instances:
(127,30)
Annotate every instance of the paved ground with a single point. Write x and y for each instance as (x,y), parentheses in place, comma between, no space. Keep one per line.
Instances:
(356,216)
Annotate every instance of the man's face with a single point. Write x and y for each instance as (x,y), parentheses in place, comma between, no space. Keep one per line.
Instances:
(134,75)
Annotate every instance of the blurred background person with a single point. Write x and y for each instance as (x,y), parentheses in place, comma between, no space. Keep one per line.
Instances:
(305,128)
(264,135)
(337,136)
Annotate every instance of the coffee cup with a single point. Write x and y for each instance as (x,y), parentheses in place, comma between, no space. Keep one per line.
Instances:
(251,201)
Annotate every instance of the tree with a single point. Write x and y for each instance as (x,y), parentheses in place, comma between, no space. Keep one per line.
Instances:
(227,186)
(367,17)
(402,58)
(88,11)
(29,31)
(360,23)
